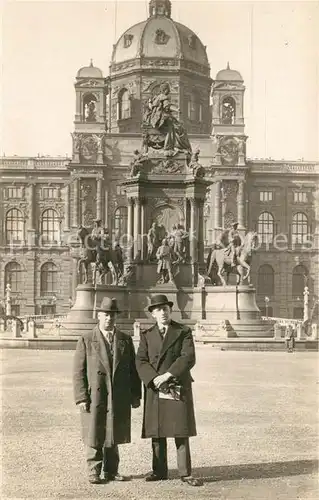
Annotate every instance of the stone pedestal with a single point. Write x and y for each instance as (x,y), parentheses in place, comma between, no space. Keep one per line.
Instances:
(31,329)
(314,331)
(16,328)
(80,317)
(278,331)
(229,311)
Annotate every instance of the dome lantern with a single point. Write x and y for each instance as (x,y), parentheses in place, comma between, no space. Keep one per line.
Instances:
(160,8)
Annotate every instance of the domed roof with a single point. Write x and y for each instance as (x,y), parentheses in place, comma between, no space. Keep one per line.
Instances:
(160,37)
(229,74)
(89,72)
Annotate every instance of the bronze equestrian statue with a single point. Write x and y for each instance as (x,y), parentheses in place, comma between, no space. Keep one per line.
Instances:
(238,262)
(97,250)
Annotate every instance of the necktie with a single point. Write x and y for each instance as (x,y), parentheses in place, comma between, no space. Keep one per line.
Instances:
(162,332)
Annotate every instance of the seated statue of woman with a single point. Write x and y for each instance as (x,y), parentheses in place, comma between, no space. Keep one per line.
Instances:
(159,116)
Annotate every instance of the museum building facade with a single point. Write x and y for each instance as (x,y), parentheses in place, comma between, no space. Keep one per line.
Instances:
(45,199)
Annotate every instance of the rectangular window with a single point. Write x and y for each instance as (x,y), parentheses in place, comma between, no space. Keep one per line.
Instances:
(265,196)
(49,193)
(48,310)
(14,192)
(15,310)
(120,190)
(300,197)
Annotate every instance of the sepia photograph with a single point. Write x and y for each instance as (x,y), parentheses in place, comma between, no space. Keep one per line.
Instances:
(159,249)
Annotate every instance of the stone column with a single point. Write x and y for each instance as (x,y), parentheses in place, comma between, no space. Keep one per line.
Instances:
(31,196)
(185,214)
(217,211)
(241,204)
(8,300)
(143,241)
(130,202)
(74,277)
(99,199)
(200,222)
(31,236)
(217,208)
(106,208)
(306,303)
(67,208)
(137,227)
(78,107)
(193,231)
(75,219)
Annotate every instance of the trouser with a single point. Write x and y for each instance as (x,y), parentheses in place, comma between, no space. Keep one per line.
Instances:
(159,447)
(109,457)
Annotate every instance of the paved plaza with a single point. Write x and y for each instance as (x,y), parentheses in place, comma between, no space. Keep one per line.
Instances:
(256,420)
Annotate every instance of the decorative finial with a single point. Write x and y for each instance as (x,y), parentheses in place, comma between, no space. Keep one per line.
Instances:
(91,63)
(160,8)
(228,67)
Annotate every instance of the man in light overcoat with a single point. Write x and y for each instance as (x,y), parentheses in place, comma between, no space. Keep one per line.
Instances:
(164,359)
(106,386)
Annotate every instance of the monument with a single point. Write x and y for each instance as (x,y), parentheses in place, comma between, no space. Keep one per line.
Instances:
(163,250)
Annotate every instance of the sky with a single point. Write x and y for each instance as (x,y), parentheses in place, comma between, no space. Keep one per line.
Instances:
(274,45)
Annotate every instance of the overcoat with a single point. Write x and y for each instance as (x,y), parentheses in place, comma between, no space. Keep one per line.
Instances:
(108,392)
(176,354)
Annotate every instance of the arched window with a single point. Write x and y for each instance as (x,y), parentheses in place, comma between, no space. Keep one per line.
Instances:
(124,105)
(265,227)
(50,226)
(299,281)
(228,111)
(266,281)
(89,108)
(120,222)
(193,107)
(14,226)
(299,228)
(13,276)
(49,278)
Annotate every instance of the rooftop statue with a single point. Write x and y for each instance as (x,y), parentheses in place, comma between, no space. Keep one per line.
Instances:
(137,164)
(168,133)
(194,166)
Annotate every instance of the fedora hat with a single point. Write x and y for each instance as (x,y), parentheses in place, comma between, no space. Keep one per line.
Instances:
(108,305)
(159,300)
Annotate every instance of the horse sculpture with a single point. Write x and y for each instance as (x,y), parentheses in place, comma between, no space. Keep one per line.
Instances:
(223,262)
(102,257)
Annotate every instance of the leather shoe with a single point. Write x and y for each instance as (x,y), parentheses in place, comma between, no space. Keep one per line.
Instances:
(95,479)
(117,477)
(154,477)
(192,481)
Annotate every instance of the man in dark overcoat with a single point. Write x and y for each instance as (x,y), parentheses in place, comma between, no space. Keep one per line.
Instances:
(164,359)
(106,386)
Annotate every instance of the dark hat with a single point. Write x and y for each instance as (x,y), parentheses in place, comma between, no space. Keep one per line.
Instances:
(159,300)
(108,305)
(234,224)
(97,220)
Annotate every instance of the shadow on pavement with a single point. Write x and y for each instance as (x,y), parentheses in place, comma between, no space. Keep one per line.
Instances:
(252,471)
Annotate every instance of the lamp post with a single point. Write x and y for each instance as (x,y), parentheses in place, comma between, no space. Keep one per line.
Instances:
(267,299)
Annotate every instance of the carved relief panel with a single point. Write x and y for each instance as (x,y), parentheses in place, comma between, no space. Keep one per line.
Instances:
(88,201)
(229,191)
